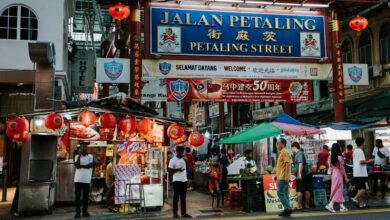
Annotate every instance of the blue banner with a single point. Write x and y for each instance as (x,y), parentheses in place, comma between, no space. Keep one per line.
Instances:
(218,33)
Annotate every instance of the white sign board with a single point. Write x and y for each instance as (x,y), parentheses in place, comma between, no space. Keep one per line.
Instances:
(112,70)
(331,134)
(242,70)
(355,74)
(153,89)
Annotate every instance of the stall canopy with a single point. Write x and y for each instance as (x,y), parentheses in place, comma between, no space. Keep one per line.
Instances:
(291,126)
(254,133)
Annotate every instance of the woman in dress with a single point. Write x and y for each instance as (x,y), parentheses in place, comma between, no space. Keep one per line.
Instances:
(337,178)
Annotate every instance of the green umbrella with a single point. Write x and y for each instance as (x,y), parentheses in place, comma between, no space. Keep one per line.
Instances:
(254,133)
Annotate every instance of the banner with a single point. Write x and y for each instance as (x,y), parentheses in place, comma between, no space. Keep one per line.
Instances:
(272,201)
(355,74)
(154,89)
(238,90)
(224,69)
(83,71)
(112,70)
(233,33)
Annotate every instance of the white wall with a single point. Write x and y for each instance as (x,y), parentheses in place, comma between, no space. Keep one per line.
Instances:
(52,26)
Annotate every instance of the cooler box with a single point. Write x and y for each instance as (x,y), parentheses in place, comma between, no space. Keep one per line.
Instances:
(318,182)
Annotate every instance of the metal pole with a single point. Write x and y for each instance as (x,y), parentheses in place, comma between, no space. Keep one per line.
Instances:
(5,179)
(135,52)
(338,93)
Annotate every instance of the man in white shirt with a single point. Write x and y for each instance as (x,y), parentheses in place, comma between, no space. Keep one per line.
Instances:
(381,158)
(248,164)
(360,174)
(177,166)
(82,178)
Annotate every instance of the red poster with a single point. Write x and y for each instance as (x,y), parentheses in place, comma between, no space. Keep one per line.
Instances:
(238,90)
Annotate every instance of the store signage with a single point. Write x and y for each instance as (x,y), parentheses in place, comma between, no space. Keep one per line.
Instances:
(214,109)
(112,70)
(355,74)
(266,113)
(83,71)
(199,116)
(238,90)
(272,201)
(224,69)
(226,33)
(153,89)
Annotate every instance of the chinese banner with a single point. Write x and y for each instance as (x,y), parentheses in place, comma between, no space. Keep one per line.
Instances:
(238,90)
(272,202)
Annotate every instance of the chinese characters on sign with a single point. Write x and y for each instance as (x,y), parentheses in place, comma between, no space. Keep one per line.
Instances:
(136,68)
(238,90)
(196,32)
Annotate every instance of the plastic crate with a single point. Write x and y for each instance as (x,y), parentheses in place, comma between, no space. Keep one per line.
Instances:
(319,196)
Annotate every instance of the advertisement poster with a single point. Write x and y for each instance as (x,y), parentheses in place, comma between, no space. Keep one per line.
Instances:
(236,33)
(238,90)
(130,152)
(243,70)
(272,202)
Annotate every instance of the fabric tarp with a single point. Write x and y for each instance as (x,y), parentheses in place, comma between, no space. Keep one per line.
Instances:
(254,133)
(291,126)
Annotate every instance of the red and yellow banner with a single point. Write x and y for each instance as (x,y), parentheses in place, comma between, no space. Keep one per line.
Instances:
(272,201)
(238,90)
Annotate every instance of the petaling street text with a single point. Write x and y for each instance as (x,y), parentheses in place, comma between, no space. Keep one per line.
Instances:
(241,47)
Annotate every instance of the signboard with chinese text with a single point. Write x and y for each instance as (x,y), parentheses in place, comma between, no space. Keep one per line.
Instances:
(112,70)
(355,74)
(272,201)
(238,90)
(247,70)
(227,33)
(83,71)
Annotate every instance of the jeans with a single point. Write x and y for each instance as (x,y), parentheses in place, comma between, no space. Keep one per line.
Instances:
(85,188)
(283,194)
(382,178)
(179,191)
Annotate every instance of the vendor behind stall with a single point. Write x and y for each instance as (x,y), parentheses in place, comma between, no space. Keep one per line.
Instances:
(248,165)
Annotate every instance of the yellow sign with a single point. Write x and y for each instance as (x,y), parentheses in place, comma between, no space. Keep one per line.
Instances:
(272,201)
(110,150)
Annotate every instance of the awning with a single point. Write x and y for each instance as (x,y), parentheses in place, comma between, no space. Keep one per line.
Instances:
(291,126)
(348,126)
(254,133)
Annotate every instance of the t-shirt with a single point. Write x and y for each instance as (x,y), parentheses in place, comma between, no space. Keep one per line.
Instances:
(225,162)
(178,163)
(348,154)
(248,164)
(323,159)
(283,163)
(190,162)
(300,158)
(359,170)
(83,175)
(378,159)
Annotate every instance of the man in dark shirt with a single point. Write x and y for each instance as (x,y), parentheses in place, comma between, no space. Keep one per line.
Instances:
(224,163)
(323,158)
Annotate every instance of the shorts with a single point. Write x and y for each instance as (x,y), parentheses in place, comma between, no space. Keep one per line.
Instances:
(305,184)
(361,183)
(190,175)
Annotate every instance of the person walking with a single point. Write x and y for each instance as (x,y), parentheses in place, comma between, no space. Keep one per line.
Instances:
(283,175)
(360,174)
(381,158)
(338,176)
(304,178)
(177,166)
(82,179)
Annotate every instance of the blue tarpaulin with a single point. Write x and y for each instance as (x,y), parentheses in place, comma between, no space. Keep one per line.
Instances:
(348,126)
(285,118)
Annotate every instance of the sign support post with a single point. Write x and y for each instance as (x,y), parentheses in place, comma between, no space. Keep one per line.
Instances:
(338,84)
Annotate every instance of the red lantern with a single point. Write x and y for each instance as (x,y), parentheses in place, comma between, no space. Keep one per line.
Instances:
(358,23)
(180,140)
(107,120)
(144,126)
(54,121)
(87,118)
(17,125)
(119,11)
(9,133)
(175,131)
(22,137)
(128,125)
(196,139)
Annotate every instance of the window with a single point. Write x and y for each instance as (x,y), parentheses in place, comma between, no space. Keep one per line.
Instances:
(365,49)
(18,23)
(324,89)
(384,37)
(346,50)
